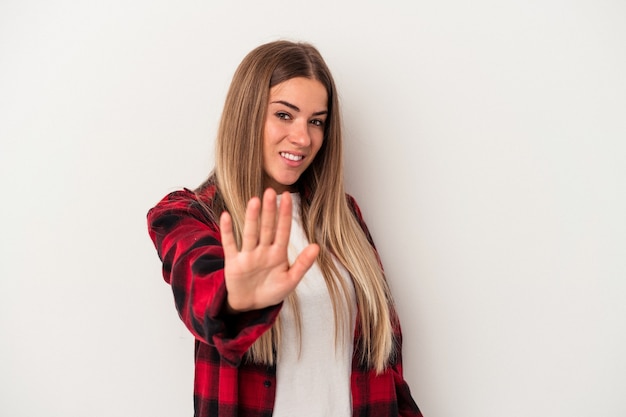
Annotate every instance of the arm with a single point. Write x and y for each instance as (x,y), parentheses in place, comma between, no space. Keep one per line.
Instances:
(407,407)
(190,246)
(406,404)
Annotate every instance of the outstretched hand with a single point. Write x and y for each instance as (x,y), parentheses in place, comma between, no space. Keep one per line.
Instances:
(259,275)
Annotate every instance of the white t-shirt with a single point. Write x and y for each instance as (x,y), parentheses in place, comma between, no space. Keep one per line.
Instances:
(314,381)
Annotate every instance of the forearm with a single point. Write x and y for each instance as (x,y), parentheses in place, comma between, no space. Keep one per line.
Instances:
(193,264)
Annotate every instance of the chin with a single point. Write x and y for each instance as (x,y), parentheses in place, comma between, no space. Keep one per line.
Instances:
(289,182)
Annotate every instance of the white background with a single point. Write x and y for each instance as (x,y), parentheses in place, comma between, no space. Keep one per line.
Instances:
(485,144)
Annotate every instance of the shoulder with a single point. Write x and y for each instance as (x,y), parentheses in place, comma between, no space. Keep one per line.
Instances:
(204,194)
(352,204)
(184,203)
(356,211)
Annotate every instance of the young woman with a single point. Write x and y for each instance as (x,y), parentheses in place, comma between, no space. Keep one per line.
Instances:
(272,268)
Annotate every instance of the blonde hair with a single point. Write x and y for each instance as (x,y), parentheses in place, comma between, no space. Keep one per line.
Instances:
(328,218)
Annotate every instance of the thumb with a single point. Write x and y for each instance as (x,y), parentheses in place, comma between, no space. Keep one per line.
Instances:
(303,262)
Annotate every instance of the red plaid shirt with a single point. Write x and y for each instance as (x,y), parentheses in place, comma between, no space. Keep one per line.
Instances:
(188,243)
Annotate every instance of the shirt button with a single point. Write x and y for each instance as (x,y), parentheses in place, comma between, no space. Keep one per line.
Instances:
(267,383)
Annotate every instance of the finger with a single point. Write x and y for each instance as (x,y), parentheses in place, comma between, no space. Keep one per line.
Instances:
(283,226)
(303,262)
(268,218)
(250,234)
(228,239)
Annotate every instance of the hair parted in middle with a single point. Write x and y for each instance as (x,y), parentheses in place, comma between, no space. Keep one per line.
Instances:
(326,215)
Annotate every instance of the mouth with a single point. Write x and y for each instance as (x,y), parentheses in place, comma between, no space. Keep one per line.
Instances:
(291,156)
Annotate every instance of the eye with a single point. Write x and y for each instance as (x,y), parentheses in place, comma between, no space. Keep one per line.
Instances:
(283,116)
(318,122)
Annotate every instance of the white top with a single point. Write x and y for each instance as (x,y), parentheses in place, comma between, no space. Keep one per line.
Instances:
(316,382)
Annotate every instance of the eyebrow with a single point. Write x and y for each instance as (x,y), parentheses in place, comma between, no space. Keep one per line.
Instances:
(296,108)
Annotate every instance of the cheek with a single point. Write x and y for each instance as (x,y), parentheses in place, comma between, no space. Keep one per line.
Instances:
(271,134)
(268,134)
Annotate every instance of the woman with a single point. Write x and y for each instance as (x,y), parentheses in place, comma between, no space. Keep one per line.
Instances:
(271,265)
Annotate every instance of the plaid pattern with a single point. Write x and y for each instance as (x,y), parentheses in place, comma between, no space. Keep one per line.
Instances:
(226,384)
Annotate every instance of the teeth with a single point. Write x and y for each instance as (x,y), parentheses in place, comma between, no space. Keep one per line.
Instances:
(291,157)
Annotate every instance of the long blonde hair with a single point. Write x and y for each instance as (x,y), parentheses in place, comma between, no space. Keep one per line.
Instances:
(327,217)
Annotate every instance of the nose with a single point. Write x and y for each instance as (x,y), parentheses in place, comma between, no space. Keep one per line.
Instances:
(300,135)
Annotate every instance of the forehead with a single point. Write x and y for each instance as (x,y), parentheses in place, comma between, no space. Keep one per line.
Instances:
(304,91)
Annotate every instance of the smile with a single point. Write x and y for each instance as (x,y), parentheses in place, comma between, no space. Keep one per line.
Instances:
(291,156)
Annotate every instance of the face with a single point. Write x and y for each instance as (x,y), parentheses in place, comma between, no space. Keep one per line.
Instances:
(294,130)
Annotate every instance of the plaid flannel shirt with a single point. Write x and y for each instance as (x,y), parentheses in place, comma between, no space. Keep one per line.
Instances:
(188,243)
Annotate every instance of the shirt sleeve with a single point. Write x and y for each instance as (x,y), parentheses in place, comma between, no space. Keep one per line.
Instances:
(406,405)
(189,245)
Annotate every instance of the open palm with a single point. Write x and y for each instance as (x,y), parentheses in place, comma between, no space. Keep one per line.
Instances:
(259,275)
